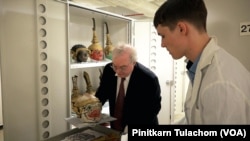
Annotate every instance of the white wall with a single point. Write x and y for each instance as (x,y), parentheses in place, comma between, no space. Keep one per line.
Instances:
(17,66)
(224,18)
(147,43)
(26,108)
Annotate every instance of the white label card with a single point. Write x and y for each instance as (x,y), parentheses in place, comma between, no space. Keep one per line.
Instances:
(244,28)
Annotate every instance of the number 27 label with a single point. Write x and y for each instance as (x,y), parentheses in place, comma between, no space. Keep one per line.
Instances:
(244,28)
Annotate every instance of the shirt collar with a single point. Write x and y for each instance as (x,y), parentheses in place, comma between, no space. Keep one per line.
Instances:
(191,66)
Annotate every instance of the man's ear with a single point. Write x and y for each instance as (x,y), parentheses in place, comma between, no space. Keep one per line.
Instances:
(182,27)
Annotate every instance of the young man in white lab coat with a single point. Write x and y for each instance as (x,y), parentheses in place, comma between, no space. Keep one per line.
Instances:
(219,89)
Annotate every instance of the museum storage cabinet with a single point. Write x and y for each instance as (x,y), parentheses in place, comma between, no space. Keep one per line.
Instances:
(39,83)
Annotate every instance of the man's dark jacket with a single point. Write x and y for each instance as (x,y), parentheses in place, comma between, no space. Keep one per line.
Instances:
(143,97)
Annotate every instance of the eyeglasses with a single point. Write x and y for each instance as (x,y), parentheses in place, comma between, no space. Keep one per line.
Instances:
(122,68)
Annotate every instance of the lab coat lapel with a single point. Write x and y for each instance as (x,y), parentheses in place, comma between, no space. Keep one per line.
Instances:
(192,105)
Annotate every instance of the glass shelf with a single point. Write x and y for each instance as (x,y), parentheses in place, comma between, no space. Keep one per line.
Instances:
(89,64)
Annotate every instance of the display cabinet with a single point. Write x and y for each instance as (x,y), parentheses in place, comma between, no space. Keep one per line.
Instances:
(84,26)
(61,24)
